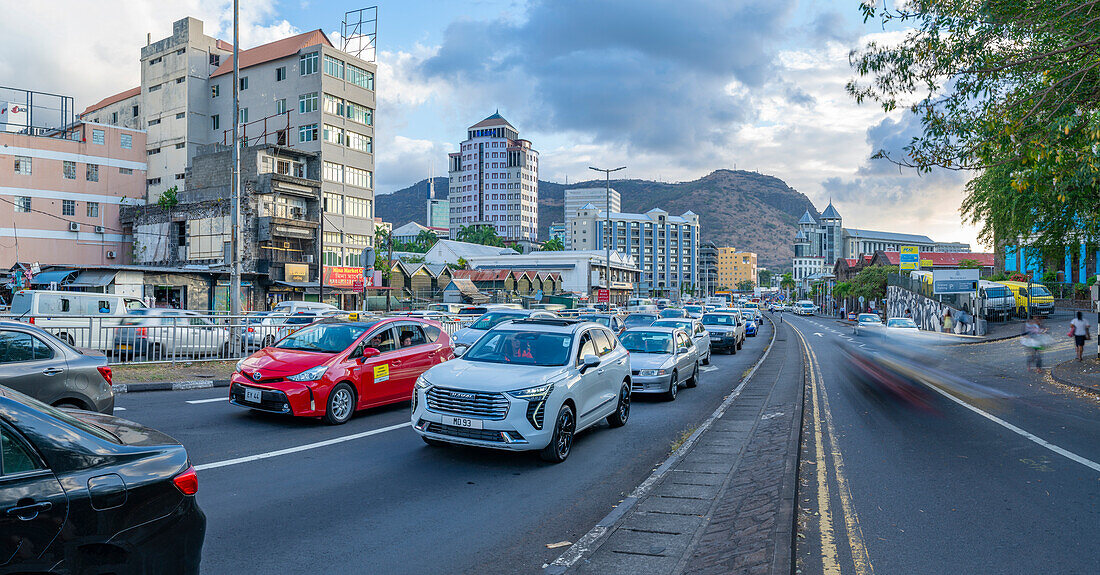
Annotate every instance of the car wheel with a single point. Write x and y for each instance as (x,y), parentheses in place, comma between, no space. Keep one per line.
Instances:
(561,443)
(673,387)
(341,404)
(433,442)
(269,341)
(225,350)
(622,410)
(153,352)
(67,338)
(706,360)
(694,378)
(68,405)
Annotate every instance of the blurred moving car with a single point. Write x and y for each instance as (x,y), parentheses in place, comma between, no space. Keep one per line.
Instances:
(867,323)
(661,360)
(694,311)
(901,324)
(42,366)
(158,333)
(672,312)
(333,369)
(610,321)
(529,384)
(84,492)
(261,328)
(727,331)
(466,336)
(293,307)
(640,319)
(699,335)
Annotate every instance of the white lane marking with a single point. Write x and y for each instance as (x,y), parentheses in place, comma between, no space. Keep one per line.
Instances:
(1030,436)
(212,399)
(120,409)
(306,447)
(708,368)
(819,334)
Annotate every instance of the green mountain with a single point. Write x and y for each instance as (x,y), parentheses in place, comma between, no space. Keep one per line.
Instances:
(748,210)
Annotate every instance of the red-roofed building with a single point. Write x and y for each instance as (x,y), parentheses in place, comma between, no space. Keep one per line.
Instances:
(122,109)
(940,260)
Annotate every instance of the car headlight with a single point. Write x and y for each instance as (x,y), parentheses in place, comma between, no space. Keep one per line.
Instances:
(537,393)
(422,382)
(647,372)
(239,364)
(310,374)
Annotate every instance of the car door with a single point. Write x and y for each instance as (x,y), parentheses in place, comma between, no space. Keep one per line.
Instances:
(685,362)
(376,374)
(415,354)
(587,390)
(701,338)
(33,507)
(30,366)
(608,371)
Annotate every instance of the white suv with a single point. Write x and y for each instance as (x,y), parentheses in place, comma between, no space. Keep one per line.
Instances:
(498,394)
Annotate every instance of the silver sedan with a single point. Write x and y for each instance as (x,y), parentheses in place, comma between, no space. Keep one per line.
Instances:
(661,360)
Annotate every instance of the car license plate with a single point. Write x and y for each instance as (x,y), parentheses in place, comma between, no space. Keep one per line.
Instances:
(124,347)
(465,422)
(715,338)
(252,395)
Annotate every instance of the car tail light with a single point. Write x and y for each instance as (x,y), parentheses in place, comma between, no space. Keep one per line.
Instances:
(31,321)
(142,331)
(187,482)
(251,330)
(105,371)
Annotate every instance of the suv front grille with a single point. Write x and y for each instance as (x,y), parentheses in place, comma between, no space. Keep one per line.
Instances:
(479,434)
(468,403)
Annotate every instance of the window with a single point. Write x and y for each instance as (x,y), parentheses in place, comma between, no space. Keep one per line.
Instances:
(360,113)
(356,240)
(98,137)
(215,90)
(215,122)
(23,204)
(181,146)
(68,207)
(92,174)
(69,169)
(359,142)
(307,64)
(181,51)
(180,115)
(135,109)
(586,348)
(154,121)
(153,151)
(93,209)
(215,60)
(602,341)
(357,177)
(23,165)
(410,335)
(307,133)
(180,80)
(334,203)
(356,207)
(280,106)
(333,134)
(244,83)
(334,67)
(333,105)
(332,172)
(153,181)
(17,457)
(280,73)
(244,116)
(181,176)
(126,171)
(126,141)
(307,103)
(154,88)
(156,60)
(360,77)
(114,117)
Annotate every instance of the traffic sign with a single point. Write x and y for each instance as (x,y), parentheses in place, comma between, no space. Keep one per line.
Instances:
(954,281)
(367,258)
(909,258)
(603,295)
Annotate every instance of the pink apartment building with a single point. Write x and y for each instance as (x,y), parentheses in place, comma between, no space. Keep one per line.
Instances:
(60,194)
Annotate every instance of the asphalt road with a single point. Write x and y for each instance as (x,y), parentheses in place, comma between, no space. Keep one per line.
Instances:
(384,502)
(892,489)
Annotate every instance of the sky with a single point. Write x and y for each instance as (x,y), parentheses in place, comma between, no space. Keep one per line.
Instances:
(673,90)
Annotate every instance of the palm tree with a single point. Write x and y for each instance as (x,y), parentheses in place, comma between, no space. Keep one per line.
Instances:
(426,239)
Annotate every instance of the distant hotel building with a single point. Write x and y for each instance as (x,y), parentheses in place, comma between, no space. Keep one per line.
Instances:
(494,181)
(439,210)
(577,198)
(665,247)
(735,267)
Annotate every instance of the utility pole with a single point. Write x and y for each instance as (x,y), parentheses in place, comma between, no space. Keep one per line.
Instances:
(610,238)
(321,253)
(235,242)
(389,263)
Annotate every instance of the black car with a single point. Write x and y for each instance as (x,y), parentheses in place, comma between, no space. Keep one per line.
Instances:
(83,492)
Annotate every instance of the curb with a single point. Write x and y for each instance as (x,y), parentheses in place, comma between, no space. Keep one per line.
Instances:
(1064,381)
(169,385)
(594,538)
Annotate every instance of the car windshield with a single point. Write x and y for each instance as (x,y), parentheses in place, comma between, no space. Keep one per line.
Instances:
(670,312)
(636,319)
(522,348)
(1039,291)
(301,319)
(996,292)
(693,308)
(491,319)
(868,318)
(325,338)
(682,324)
(647,341)
(900,322)
(601,319)
(719,319)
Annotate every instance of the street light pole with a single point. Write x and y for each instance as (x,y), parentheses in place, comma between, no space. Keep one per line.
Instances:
(235,241)
(607,225)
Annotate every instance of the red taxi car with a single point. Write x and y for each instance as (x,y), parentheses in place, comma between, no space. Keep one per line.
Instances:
(332,370)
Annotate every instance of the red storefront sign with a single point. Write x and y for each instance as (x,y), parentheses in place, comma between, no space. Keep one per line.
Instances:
(603,295)
(343,277)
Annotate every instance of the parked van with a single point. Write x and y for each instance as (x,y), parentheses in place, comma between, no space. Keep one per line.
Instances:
(293,307)
(80,319)
(996,298)
(804,307)
(1042,301)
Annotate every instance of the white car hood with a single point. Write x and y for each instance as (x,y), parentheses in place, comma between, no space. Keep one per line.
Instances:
(648,360)
(485,376)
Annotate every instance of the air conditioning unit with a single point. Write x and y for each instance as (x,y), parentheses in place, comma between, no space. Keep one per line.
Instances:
(112,255)
(99,229)
(74,227)
(309,258)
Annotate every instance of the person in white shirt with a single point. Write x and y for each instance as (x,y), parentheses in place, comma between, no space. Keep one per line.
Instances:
(1080,330)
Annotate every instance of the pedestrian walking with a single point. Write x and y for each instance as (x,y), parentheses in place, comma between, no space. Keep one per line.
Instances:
(948,322)
(1035,339)
(1079,331)
(964,322)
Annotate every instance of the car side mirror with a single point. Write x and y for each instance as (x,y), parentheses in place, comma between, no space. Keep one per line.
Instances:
(684,349)
(368,352)
(589,361)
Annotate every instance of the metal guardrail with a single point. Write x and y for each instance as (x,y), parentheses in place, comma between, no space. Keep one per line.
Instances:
(171,338)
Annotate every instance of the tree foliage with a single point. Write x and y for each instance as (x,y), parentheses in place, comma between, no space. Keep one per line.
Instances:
(967,264)
(745,285)
(1007,87)
(553,245)
(169,198)
(787,282)
(870,282)
(485,235)
(765,277)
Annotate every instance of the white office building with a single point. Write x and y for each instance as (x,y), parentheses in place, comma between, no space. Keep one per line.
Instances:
(494,180)
(577,198)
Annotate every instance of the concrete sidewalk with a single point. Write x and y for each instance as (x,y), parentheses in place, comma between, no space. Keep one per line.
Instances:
(1082,374)
(726,505)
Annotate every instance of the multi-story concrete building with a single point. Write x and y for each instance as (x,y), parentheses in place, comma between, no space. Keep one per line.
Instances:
(439,213)
(665,247)
(557,231)
(582,271)
(122,109)
(60,194)
(734,267)
(577,198)
(708,269)
(494,180)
